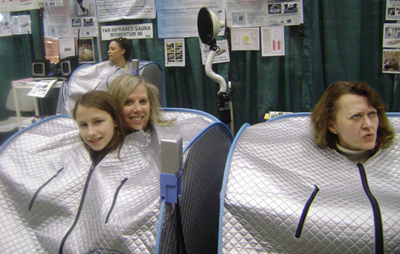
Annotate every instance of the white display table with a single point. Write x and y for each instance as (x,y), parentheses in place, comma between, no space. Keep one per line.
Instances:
(29,83)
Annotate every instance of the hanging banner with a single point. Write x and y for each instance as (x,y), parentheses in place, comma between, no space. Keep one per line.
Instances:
(20,5)
(138,31)
(111,10)
(244,13)
(179,20)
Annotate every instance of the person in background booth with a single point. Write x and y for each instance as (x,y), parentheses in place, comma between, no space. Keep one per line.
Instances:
(351,118)
(119,52)
(99,76)
(139,102)
(101,125)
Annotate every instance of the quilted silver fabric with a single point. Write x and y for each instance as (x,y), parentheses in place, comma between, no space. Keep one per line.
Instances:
(43,173)
(275,166)
(189,123)
(89,77)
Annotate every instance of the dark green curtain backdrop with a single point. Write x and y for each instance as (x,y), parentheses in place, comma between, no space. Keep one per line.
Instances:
(16,54)
(342,41)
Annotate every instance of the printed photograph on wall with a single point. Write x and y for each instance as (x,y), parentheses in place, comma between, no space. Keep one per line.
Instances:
(85,50)
(274,9)
(76,22)
(290,8)
(392,10)
(391,35)
(83,18)
(391,60)
(174,52)
(88,22)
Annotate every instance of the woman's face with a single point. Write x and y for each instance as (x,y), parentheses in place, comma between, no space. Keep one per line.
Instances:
(96,127)
(115,52)
(137,108)
(356,123)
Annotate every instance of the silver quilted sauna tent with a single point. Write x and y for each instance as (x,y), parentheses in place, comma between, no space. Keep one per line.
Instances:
(283,194)
(99,76)
(53,201)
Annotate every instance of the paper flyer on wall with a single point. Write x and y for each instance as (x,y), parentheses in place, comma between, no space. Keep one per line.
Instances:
(221,56)
(21,24)
(391,60)
(41,88)
(273,41)
(56,19)
(5,24)
(128,9)
(392,10)
(51,48)
(177,20)
(66,47)
(245,38)
(391,35)
(244,13)
(69,18)
(83,18)
(174,52)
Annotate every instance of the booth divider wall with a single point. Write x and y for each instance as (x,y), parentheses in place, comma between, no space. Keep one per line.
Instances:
(340,42)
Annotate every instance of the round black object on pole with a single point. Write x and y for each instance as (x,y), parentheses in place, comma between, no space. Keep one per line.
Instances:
(205,26)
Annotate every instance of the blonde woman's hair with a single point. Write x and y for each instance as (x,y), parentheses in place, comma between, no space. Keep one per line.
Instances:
(122,86)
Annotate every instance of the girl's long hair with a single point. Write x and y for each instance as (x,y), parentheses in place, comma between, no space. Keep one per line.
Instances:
(104,101)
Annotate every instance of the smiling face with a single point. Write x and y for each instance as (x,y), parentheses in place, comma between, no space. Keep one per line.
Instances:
(96,127)
(116,52)
(137,108)
(356,123)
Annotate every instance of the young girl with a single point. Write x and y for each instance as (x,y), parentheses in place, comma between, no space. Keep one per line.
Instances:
(101,125)
(78,203)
